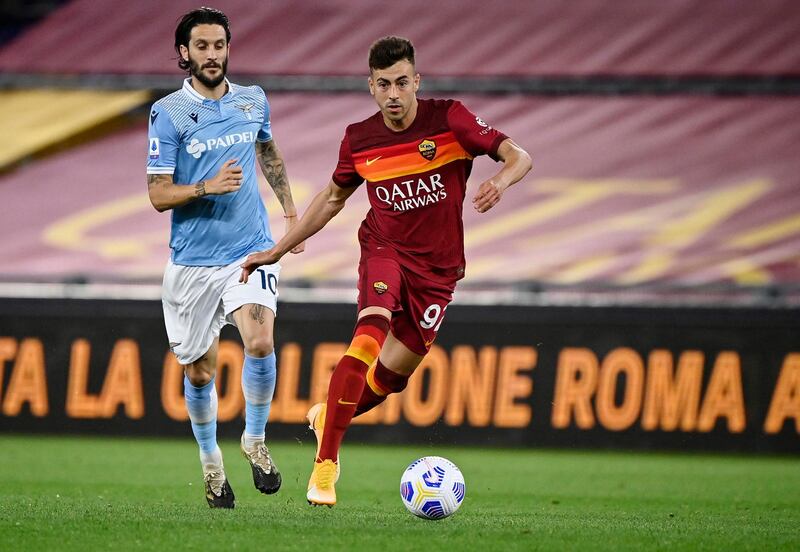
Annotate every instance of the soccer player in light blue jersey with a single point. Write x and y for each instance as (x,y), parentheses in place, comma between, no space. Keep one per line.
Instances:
(204,142)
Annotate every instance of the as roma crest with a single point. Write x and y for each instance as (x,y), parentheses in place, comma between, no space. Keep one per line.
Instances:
(427,149)
(380,287)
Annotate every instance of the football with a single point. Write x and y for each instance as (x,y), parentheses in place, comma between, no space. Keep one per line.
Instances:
(432,487)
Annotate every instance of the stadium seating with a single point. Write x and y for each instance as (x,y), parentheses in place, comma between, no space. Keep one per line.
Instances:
(681,189)
(626,190)
(460,37)
(46,118)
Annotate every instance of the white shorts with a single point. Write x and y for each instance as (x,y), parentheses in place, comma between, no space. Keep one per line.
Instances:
(199,300)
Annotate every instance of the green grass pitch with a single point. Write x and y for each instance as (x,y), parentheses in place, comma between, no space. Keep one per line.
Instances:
(73,493)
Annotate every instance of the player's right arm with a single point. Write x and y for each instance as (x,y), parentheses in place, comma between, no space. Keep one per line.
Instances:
(162,156)
(325,205)
(165,194)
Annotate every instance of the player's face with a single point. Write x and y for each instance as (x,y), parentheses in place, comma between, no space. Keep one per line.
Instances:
(207,54)
(395,90)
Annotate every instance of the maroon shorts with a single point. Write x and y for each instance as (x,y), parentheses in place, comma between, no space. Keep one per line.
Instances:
(417,303)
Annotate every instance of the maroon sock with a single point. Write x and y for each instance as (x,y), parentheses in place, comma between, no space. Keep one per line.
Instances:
(369,400)
(347,382)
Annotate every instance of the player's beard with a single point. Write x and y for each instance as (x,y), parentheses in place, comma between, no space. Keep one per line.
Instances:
(197,72)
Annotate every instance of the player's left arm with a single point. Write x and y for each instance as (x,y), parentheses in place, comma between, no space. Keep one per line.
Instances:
(272,165)
(516,164)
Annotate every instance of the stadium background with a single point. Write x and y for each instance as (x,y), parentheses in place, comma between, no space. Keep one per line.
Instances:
(639,289)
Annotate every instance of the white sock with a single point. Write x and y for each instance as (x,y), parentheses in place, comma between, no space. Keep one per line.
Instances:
(252,440)
(211,459)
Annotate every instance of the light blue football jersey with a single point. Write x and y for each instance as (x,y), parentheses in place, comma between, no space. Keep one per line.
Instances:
(191,137)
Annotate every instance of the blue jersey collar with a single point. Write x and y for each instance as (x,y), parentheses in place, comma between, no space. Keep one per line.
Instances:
(196,96)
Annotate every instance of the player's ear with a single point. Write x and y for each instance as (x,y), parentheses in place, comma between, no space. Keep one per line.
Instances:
(371,84)
(184,53)
(416,82)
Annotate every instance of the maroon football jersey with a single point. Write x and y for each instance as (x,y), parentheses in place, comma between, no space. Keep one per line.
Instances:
(416,182)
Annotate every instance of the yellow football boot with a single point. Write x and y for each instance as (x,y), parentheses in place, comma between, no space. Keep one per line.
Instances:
(316,422)
(320,486)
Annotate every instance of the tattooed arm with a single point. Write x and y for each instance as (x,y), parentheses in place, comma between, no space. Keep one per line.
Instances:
(165,194)
(271,162)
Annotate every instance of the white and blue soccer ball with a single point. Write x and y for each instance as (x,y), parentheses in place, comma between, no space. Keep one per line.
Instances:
(432,487)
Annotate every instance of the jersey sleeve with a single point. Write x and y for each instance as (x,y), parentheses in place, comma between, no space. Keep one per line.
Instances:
(162,151)
(345,174)
(474,135)
(265,132)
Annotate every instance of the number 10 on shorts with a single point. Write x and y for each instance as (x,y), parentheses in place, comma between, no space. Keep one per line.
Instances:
(433,316)
(268,281)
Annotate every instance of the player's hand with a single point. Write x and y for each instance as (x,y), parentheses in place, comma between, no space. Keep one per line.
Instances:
(227,180)
(489,193)
(291,222)
(255,260)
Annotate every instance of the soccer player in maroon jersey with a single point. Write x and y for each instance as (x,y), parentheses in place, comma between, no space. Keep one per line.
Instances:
(415,156)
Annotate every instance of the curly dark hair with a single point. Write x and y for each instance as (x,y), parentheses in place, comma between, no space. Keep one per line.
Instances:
(388,50)
(200,16)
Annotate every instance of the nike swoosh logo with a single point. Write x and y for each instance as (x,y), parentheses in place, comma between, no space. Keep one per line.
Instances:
(371,161)
(346,403)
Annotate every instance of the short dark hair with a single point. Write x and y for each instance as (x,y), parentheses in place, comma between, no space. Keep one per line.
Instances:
(388,50)
(200,16)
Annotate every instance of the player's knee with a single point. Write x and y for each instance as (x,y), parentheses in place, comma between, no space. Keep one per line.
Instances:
(198,378)
(384,381)
(259,346)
